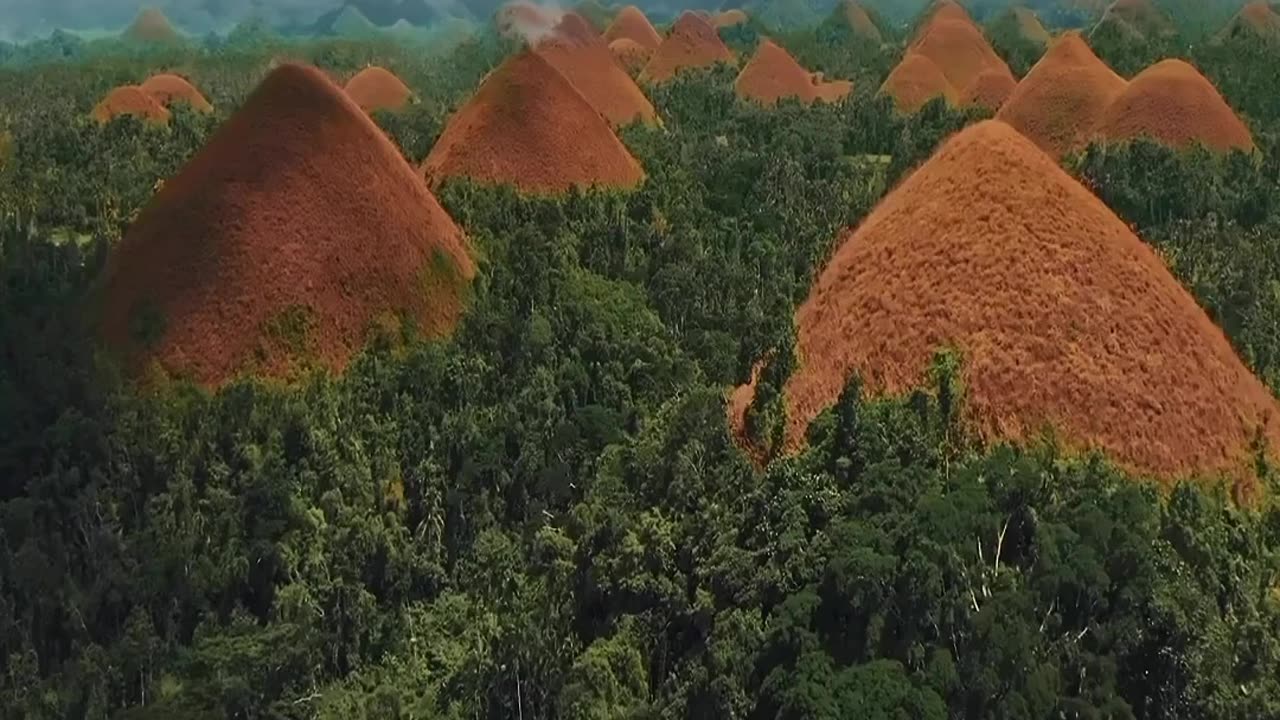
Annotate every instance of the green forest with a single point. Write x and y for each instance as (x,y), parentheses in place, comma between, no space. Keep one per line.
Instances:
(546,515)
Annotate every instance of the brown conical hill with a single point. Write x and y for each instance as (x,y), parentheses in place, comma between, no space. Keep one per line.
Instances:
(915,81)
(1256,19)
(1061,101)
(528,127)
(692,43)
(375,88)
(168,89)
(772,74)
(1172,103)
(631,55)
(130,100)
(960,51)
(583,58)
(991,89)
(941,11)
(151,26)
(1064,317)
(632,24)
(855,15)
(729,18)
(1030,27)
(296,229)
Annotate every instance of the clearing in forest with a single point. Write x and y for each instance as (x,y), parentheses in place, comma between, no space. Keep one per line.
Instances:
(527,126)
(1062,100)
(692,43)
(772,74)
(581,55)
(375,88)
(130,100)
(168,89)
(295,231)
(1172,103)
(1063,317)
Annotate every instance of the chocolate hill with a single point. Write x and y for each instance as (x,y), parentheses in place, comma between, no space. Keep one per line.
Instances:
(989,90)
(631,24)
(915,81)
(130,100)
(960,50)
(1139,19)
(1030,27)
(859,21)
(729,18)
(772,74)
(578,52)
(1255,20)
(375,88)
(1172,103)
(1063,316)
(1062,100)
(295,230)
(692,43)
(631,55)
(168,89)
(528,127)
(943,10)
(151,26)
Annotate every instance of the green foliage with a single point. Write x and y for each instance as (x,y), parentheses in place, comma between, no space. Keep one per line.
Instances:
(545,515)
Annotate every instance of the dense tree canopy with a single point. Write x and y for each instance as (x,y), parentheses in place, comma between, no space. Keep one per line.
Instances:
(545,516)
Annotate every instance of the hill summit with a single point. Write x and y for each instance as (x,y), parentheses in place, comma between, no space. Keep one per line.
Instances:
(151,26)
(1064,318)
(527,126)
(282,243)
(1171,102)
(772,74)
(130,100)
(375,88)
(581,55)
(1061,101)
(692,43)
(169,89)
(631,24)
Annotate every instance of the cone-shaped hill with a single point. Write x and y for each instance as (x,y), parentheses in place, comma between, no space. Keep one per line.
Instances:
(631,55)
(130,100)
(1064,317)
(960,51)
(729,18)
(631,24)
(692,43)
(915,81)
(772,74)
(1255,20)
(169,89)
(941,11)
(580,54)
(528,127)
(1139,19)
(1062,100)
(375,88)
(1172,103)
(151,26)
(989,90)
(1030,27)
(296,230)
(855,16)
